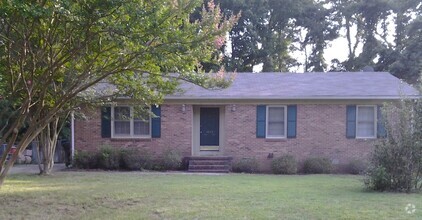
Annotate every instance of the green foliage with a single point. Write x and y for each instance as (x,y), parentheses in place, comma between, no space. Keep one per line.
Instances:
(270,32)
(52,54)
(377,179)
(286,164)
(356,167)
(396,163)
(7,115)
(134,159)
(316,165)
(171,160)
(109,158)
(86,160)
(245,165)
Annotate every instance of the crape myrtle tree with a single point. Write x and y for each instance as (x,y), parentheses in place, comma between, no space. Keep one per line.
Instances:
(52,52)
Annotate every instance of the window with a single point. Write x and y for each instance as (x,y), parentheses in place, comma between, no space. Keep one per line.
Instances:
(276,122)
(366,121)
(125,125)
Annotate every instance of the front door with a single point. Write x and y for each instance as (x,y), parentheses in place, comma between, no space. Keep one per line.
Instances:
(209,132)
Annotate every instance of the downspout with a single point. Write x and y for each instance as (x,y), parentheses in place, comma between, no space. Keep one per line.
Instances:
(72,131)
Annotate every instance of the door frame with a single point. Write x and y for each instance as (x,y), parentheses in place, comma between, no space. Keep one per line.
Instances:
(196,151)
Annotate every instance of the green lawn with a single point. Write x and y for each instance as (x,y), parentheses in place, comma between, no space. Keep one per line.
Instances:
(136,195)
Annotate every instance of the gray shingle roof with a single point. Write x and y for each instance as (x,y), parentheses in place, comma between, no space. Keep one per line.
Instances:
(332,85)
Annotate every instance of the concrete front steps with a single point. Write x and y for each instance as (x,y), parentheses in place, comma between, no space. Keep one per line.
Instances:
(209,164)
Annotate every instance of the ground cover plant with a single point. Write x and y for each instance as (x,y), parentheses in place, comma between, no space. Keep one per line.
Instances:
(143,195)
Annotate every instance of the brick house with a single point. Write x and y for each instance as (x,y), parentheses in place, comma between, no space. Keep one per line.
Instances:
(261,116)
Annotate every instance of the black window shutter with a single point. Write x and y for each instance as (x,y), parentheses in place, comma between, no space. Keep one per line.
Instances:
(351,121)
(105,122)
(291,121)
(156,122)
(381,132)
(260,121)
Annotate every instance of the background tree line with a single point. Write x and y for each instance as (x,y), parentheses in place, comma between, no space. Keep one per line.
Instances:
(384,34)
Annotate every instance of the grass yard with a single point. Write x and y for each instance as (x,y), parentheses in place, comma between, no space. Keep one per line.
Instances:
(136,195)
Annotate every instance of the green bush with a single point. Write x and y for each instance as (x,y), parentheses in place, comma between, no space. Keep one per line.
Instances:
(356,167)
(109,158)
(286,164)
(86,160)
(396,162)
(377,179)
(134,159)
(245,165)
(317,165)
(171,160)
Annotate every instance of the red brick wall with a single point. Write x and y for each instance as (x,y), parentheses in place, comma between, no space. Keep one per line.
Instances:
(176,133)
(321,131)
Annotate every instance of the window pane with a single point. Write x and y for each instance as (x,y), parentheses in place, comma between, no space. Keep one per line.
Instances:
(122,128)
(141,128)
(366,122)
(366,129)
(276,128)
(122,113)
(366,114)
(276,114)
(276,121)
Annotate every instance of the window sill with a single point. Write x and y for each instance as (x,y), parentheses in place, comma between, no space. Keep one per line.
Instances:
(366,138)
(134,139)
(275,139)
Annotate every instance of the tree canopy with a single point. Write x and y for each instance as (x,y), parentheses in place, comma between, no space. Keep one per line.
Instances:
(379,33)
(52,51)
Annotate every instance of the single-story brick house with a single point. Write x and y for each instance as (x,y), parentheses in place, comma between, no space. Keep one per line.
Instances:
(261,115)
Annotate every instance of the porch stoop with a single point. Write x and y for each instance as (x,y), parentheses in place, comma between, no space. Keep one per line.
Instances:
(209,164)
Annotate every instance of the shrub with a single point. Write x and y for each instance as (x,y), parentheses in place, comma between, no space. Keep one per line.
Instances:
(109,158)
(171,160)
(245,165)
(286,164)
(86,160)
(317,165)
(396,162)
(356,167)
(377,179)
(134,159)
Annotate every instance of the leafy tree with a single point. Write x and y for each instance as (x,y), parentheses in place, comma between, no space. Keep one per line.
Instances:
(396,163)
(398,52)
(321,27)
(269,31)
(52,52)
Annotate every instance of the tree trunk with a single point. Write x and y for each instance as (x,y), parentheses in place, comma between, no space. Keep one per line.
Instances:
(48,141)
(19,148)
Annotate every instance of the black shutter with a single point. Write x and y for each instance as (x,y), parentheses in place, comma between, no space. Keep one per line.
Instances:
(291,121)
(351,121)
(105,122)
(156,122)
(381,132)
(260,121)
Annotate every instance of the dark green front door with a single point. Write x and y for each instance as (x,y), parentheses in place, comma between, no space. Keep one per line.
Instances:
(209,127)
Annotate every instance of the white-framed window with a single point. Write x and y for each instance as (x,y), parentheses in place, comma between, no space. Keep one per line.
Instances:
(366,121)
(276,121)
(125,125)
